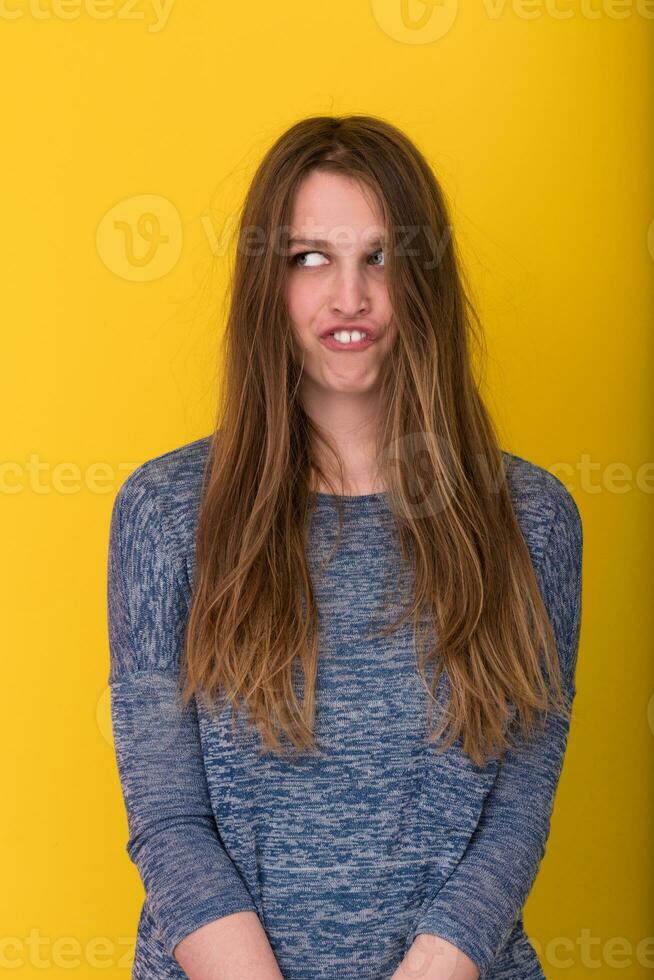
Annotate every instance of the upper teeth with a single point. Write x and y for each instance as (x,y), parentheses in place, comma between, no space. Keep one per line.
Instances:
(345,336)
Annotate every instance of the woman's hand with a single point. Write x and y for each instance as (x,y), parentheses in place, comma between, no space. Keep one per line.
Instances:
(234,947)
(432,958)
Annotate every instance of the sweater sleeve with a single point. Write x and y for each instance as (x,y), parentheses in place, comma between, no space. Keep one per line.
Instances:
(188,877)
(479,903)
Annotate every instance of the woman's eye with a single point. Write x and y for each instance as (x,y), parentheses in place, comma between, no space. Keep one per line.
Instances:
(303,255)
(300,257)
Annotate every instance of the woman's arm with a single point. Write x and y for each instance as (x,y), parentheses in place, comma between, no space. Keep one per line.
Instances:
(188,877)
(478,905)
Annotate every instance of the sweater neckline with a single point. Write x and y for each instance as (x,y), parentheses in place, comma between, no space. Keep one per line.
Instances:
(348,496)
(349,502)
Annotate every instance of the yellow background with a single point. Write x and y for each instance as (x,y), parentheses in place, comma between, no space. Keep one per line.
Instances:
(539,126)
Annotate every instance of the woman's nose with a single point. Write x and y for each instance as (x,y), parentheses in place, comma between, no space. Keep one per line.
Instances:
(350,294)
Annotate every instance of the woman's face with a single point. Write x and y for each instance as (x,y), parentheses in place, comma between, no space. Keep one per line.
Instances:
(336,281)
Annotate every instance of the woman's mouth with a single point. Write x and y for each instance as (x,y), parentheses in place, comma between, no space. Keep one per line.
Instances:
(347,340)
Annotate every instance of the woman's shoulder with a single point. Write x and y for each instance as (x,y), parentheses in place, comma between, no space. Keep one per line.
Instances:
(166,489)
(544,505)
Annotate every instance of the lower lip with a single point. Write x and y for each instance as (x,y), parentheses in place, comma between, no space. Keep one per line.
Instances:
(334,344)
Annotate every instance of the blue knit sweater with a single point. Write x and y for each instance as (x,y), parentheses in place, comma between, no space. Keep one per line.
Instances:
(345,855)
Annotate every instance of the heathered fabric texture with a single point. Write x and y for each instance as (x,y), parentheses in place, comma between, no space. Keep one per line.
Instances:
(348,854)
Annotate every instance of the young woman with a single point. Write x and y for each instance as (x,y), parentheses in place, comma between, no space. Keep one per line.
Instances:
(293,599)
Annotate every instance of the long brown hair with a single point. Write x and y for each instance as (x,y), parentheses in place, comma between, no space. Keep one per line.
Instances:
(253,618)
